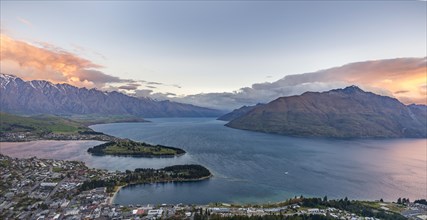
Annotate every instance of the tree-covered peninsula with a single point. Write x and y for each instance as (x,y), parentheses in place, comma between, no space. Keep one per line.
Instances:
(134,149)
(176,173)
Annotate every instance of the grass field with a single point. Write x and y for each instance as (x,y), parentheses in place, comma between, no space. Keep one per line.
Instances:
(104,119)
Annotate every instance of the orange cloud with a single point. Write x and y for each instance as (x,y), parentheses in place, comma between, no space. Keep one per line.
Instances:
(50,63)
(403,78)
(397,75)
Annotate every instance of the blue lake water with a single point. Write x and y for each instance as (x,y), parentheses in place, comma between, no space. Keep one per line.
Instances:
(251,167)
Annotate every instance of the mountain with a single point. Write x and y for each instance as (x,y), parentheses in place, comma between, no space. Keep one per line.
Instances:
(406,71)
(237,112)
(340,113)
(43,97)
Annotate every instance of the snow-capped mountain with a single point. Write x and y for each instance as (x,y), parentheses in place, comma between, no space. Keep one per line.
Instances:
(43,97)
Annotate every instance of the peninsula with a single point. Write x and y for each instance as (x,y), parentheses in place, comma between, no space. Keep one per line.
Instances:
(16,128)
(134,149)
(69,189)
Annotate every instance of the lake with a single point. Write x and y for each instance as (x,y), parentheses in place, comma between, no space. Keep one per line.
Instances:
(251,167)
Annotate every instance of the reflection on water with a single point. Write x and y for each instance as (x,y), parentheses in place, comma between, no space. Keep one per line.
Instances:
(77,150)
(251,167)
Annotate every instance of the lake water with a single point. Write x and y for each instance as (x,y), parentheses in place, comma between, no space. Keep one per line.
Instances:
(251,167)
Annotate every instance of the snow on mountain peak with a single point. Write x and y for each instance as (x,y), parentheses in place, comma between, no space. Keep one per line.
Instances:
(6,79)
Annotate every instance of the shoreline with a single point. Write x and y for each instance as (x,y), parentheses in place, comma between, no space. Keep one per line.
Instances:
(102,138)
(59,137)
(113,197)
(137,156)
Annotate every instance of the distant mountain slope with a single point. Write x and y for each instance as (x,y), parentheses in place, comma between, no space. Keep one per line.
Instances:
(237,112)
(43,97)
(341,113)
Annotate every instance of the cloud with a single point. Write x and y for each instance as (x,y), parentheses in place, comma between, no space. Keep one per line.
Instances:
(143,92)
(403,78)
(134,88)
(134,84)
(423,90)
(82,50)
(50,47)
(153,95)
(52,63)
(150,84)
(162,96)
(45,61)
(401,91)
(154,83)
(131,86)
(24,21)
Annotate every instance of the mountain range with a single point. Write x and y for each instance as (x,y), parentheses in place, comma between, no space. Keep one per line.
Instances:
(43,97)
(340,113)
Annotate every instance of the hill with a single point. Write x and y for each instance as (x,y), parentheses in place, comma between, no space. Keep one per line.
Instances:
(45,127)
(39,124)
(43,97)
(340,113)
(237,112)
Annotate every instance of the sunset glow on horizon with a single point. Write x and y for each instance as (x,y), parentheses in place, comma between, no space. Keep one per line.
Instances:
(184,52)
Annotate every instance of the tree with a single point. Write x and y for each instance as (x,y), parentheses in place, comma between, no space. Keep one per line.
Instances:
(421,201)
(43,206)
(325,199)
(399,200)
(381,200)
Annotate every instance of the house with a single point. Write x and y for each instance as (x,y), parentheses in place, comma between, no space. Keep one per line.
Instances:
(47,184)
(155,212)
(138,211)
(313,211)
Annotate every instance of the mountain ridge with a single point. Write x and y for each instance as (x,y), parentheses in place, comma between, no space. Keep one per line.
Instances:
(44,97)
(340,113)
(237,112)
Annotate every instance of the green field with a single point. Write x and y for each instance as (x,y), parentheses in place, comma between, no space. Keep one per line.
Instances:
(132,148)
(39,124)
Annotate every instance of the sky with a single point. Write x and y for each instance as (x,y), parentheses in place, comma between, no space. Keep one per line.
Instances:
(188,50)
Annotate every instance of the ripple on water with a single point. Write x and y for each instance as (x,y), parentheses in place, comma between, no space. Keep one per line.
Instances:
(250,167)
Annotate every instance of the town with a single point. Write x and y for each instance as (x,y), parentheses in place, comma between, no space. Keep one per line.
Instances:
(54,189)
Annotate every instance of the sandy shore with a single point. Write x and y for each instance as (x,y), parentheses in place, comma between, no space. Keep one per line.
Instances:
(111,199)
